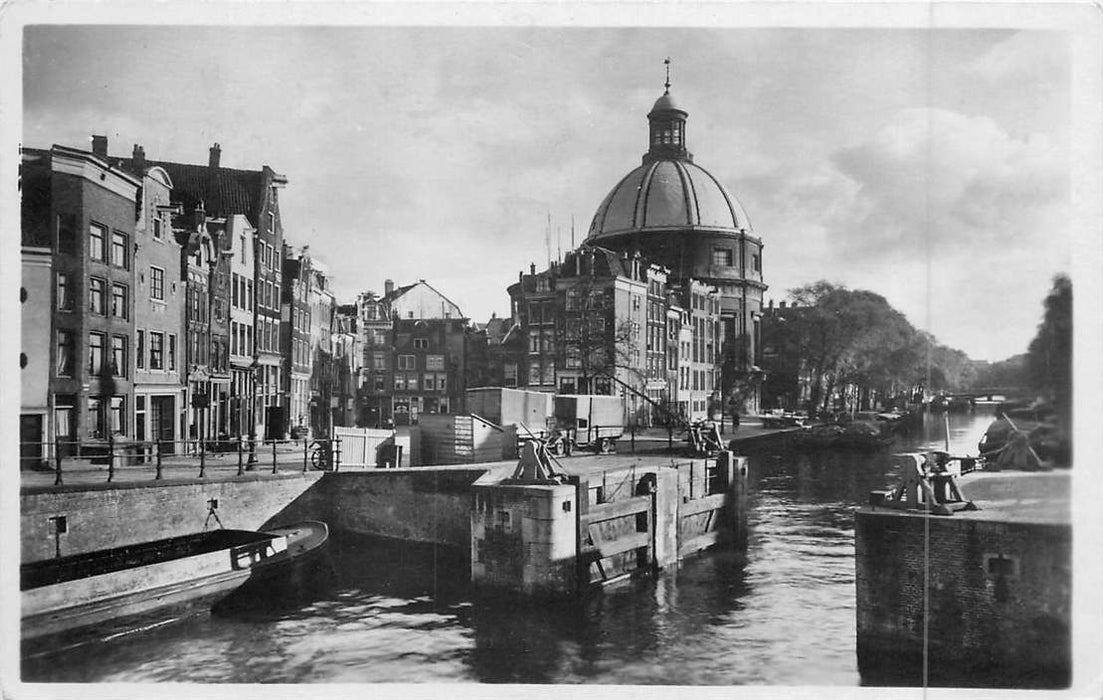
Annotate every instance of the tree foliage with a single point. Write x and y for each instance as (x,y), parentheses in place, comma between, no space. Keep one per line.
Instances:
(834,337)
(1049,356)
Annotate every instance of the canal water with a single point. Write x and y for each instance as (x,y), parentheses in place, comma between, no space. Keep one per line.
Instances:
(780,613)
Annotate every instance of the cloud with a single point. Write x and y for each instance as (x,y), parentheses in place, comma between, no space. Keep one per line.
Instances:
(1028,60)
(936,180)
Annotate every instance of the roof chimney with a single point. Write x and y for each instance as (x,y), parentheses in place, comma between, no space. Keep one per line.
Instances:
(139,159)
(388,287)
(216,155)
(532,268)
(99,145)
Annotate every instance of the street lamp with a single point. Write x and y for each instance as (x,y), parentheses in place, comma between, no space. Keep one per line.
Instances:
(251,461)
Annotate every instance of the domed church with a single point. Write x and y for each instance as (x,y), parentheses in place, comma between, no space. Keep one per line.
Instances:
(678,215)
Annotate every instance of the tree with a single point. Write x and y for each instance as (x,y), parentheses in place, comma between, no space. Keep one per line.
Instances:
(834,337)
(1049,356)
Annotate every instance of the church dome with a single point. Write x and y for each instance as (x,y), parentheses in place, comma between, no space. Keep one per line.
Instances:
(668,191)
(665,194)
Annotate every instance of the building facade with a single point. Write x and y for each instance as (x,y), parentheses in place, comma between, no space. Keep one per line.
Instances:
(414,347)
(84,210)
(160,305)
(36,303)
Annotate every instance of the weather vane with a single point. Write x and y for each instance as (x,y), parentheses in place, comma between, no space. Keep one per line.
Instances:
(667,62)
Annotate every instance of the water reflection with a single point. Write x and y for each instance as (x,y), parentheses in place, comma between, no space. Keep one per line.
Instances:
(781,612)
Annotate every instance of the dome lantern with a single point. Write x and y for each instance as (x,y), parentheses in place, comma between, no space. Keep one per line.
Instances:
(667,132)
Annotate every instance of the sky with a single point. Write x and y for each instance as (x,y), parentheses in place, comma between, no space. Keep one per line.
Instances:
(931,166)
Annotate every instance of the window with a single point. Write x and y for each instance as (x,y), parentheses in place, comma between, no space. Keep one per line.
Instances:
(755,263)
(158,233)
(411,382)
(66,233)
(64,293)
(234,297)
(156,350)
(118,415)
(65,351)
(95,417)
(95,295)
(400,382)
(379,361)
(722,257)
(405,362)
(119,255)
(572,300)
(434,363)
(96,238)
(249,294)
(574,358)
(534,343)
(140,350)
(172,352)
(157,283)
(509,374)
(95,352)
(442,382)
(421,343)
(119,300)
(429,383)
(118,356)
(379,337)
(63,418)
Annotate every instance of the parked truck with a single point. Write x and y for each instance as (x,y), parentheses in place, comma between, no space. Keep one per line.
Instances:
(590,420)
(530,411)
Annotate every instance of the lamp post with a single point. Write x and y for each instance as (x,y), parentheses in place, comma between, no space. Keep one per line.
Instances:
(251,461)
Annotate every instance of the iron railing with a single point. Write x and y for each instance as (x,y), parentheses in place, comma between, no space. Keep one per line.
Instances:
(153,458)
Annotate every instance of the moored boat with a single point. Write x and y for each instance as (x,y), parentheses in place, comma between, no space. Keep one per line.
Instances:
(856,434)
(84,590)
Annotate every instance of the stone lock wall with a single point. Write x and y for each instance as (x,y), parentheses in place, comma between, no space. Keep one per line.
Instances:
(999,592)
(101,518)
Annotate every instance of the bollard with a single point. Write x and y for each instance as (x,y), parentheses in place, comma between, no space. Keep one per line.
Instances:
(669,437)
(337,456)
(57,460)
(305,456)
(110,457)
(240,455)
(159,463)
(275,467)
(202,459)
(633,439)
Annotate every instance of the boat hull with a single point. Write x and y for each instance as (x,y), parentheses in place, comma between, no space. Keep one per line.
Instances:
(202,568)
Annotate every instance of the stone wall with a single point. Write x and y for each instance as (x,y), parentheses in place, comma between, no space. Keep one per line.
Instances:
(113,516)
(998,592)
(431,504)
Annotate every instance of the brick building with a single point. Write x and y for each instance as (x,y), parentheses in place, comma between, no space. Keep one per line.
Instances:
(82,209)
(415,345)
(160,304)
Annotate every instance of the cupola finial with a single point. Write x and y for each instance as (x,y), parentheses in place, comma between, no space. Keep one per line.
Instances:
(667,62)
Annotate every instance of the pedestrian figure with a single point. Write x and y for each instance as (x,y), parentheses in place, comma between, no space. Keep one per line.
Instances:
(735,421)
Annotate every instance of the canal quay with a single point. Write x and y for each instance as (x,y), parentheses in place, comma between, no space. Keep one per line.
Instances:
(777,608)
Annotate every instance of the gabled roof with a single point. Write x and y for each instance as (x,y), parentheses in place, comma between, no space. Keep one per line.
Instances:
(224,192)
(397,292)
(400,291)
